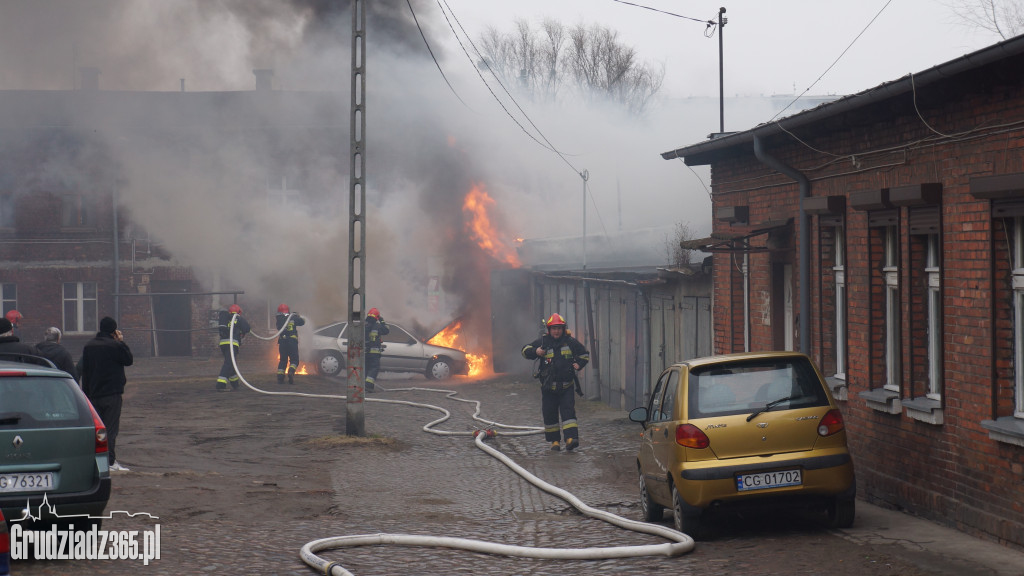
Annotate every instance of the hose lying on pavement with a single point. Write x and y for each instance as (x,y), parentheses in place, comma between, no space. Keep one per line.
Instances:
(680,543)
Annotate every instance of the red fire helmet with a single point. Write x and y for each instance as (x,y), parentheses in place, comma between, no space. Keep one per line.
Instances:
(373,313)
(235,309)
(14,316)
(556,320)
(283,309)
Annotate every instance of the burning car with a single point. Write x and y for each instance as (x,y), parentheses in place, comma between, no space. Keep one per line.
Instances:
(403,352)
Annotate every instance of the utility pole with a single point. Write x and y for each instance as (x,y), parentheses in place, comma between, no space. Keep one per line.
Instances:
(721,72)
(356,359)
(585,176)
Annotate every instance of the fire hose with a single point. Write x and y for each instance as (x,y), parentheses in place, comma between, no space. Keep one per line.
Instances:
(680,543)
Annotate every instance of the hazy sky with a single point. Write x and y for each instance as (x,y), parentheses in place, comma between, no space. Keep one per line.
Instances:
(430,143)
(769,46)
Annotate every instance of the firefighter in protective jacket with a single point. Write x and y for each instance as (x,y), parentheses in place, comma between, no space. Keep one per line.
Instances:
(374,332)
(233,327)
(561,357)
(288,343)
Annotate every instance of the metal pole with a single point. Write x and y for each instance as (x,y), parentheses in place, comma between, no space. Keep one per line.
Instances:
(721,72)
(586,176)
(356,360)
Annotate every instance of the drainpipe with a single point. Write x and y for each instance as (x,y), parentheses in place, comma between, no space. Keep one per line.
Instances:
(117,262)
(804,241)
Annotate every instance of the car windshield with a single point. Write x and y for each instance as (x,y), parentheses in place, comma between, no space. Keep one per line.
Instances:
(40,403)
(744,387)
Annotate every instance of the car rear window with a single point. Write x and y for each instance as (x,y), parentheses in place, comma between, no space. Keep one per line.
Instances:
(34,402)
(739,387)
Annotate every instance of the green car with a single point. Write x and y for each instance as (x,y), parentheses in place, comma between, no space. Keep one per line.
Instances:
(52,445)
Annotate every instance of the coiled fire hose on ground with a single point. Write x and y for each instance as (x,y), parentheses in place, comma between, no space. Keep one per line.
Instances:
(680,543)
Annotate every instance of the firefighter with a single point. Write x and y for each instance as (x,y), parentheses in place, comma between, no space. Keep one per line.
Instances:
(288,343)
(374,331)
(561,357)
(231,318)
(15,318)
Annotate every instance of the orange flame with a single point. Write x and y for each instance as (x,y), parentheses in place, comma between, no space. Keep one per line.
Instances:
(449,338)
(481,229)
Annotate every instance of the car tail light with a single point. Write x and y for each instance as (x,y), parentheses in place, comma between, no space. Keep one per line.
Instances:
(690,436)
(101,431)
(4,373)
(831,423)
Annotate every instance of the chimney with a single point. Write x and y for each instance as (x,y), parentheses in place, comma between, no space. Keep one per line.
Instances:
(263,78)
(90,79)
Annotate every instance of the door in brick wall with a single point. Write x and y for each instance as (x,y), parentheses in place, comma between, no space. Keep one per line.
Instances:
(172,318)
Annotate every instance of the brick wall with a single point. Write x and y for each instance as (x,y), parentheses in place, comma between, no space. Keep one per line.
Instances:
(951,471)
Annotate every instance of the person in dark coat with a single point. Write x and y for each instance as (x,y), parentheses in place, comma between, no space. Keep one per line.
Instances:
(288,343)
(101,369)
(11,344)
(51,349)
(561,357)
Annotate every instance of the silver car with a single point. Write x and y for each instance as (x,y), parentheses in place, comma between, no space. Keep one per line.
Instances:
(403,352)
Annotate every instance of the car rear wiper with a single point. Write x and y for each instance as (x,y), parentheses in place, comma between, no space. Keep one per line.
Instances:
(10,420)
(769,406)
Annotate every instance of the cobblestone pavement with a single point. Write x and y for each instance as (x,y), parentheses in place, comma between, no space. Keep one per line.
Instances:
(241,481)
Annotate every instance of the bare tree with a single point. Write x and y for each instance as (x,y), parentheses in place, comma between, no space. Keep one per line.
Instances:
(583,62)
(678,256)
(1002,17)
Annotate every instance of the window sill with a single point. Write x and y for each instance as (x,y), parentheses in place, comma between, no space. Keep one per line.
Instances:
(1008,430)
(883,400)
(924,410)
(839,389)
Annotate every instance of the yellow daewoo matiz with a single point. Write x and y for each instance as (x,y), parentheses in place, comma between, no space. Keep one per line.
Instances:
(743,429)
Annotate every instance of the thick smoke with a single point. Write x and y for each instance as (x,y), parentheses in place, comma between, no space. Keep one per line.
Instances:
(426,147)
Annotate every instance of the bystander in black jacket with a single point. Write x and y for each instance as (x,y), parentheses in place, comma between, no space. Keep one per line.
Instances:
(102,365)
(11,344)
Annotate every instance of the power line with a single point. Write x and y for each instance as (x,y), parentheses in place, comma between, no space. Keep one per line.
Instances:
(834,62)
(438,64)
(549,145)
(709,22)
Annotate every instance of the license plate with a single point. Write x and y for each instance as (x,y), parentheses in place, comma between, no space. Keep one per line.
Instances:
(764,480)
(26,482)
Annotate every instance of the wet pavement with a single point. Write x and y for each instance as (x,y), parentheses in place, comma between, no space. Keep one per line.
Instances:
(228,511)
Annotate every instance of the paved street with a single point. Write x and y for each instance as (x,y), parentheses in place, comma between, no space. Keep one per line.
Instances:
(242,480)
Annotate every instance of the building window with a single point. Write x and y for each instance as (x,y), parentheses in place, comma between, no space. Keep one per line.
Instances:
(283,190)
(932,269)
(890,270)
(9,294)
(1018,315)
(839,279)
(80,307)
(75,212)
(6,211)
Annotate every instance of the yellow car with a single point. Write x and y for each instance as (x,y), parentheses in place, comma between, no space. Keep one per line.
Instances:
(740,429)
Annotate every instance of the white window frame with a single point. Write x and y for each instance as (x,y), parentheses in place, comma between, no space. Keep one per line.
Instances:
(933,267)
(1018,316)
(839,270)
(8,301)
(81,303)
(280,195)
(891,271)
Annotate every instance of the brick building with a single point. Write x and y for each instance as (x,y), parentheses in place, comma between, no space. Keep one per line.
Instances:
(883,234)
(72,249)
